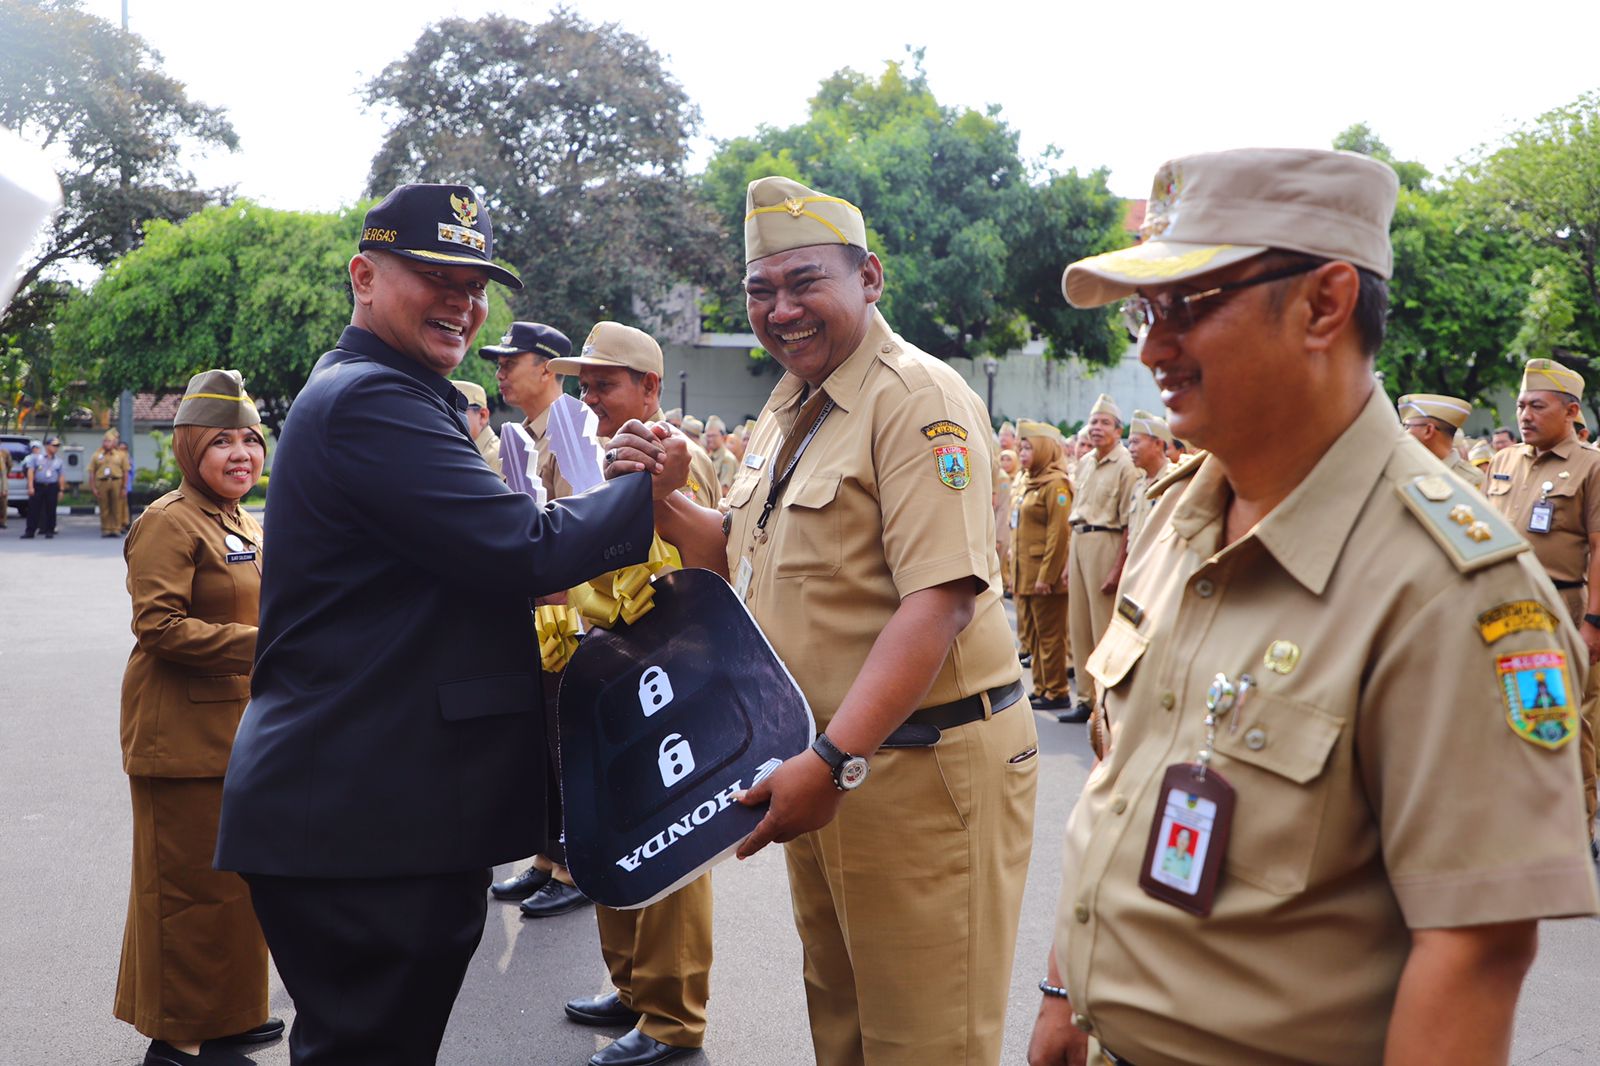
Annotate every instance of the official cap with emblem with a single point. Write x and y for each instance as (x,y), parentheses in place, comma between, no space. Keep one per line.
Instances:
(1028,429)
(781,214)
(1584,422)
(693,426)
(216,399)
(1481,454)
(1104,404)
(1449,409)
(474,393)
(613,344)
(715,425)
(1212,210)
(1547,375)
(1151,426)
(676,412)
(535,337)
(435,224)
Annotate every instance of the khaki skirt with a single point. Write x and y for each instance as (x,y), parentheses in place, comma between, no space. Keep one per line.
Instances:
(194,962)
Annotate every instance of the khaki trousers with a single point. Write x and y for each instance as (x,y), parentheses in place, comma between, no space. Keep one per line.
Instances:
(1047,617)
(122,505)
(106,494)
(1589,725)
(907,903)
(194,962)
(660,960)
(1089,610)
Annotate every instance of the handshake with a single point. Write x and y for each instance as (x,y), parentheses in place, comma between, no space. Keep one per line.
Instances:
(657,449)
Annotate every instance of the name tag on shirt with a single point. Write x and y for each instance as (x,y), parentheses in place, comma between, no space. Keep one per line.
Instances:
(241,557)
(754,461)
(1501,477)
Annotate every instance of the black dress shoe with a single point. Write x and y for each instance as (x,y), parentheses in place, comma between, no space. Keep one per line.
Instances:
(556,897)
(1077,716)
(520,886)
(601,1010)
(1049,703)
(212,1053)
(267,1031)
(636,1049)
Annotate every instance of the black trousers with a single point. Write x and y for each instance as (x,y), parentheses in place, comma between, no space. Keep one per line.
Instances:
(42,507)
(373,964)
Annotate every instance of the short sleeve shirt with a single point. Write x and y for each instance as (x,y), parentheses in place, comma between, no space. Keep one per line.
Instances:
(46,469)
(1517,476)
(1359,763)
(891,496)
(1103,488)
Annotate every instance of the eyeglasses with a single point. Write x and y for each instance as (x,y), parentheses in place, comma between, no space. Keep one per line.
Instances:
(1140,313)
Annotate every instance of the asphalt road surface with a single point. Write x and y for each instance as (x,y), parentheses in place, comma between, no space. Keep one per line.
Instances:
(64,866)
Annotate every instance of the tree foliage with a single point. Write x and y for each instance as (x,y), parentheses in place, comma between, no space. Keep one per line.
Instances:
(257,290)
(576,136)
(96,98)
(973,244)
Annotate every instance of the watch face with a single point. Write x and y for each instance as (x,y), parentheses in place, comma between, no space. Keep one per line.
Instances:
(853,772)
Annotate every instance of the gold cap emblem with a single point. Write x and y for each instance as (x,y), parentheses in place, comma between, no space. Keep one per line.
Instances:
(1282,656)
(466,209)
(793,206)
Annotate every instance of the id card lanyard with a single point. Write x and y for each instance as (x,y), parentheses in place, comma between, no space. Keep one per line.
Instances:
(780,481)
(1544,511)
(1189,834)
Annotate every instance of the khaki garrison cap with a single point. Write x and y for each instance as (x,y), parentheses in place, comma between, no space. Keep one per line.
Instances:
(693,426)
(474,393)
(1213,210)
(216,399)
(1547,375)
(1106,405)
(781,214)
(613,344)
(1427,405)
(1482,453)
(1151,426)
(1027,429)
(714,424)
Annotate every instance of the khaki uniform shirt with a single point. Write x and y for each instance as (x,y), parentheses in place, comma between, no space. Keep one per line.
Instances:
(1467,471)
(555,486)
(1043,535)
(108,465)
(891,497)
(1516,482)
(488,443)
(1104,489)
(194,623)
(727,467)
(1139,507)
(1359,763)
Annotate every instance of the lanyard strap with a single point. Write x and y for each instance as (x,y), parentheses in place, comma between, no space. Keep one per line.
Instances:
(782,480)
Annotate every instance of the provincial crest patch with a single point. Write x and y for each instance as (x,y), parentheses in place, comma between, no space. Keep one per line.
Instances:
(953,469)
(1538,697)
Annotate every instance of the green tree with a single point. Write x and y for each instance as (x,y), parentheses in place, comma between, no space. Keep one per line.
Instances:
(1361,138)
(1543,184)
(576,136)
(258,290)
(96,97)
(972,243)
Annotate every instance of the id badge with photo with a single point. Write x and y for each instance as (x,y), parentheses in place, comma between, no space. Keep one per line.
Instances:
(1188,838)
(741,583)
(1541,518)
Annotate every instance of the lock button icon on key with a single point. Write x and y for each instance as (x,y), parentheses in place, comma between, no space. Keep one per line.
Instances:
(655,690)
(674,759)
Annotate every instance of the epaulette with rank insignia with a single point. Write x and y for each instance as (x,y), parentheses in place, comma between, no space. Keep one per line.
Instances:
(1466,526)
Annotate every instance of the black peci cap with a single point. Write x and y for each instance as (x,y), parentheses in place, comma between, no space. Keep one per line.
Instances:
(435,224)
(535,337)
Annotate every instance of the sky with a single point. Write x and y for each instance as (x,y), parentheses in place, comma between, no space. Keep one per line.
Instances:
(1109,85)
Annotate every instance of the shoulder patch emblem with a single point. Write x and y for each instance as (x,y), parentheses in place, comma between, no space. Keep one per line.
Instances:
(1537,695)
(1061,499)
(1518,616)
(1471,532)
(943,426)
(952,463)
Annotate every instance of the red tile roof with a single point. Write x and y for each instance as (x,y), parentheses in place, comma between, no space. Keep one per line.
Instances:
(156,406)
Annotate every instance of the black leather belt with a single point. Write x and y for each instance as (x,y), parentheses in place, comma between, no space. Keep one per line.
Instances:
(1564,585)
(1097,529)
(922,729)
(1113,1057)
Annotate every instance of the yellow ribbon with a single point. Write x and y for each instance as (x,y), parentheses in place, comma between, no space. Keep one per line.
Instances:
(626,593)
(557,629)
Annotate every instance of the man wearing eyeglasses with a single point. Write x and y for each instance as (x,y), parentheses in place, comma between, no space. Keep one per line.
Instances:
(1435,421)
(1322,650)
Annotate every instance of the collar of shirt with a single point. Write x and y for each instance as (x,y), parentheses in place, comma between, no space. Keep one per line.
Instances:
(1307,531)
(537,426)
(844,384)
(1562,451)
(357,341)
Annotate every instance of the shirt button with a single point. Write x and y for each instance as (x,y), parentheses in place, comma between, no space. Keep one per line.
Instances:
(1082,1022)
(1168,701)
(1081,913)
(1118,804)
(1204,588)
(1256,739)
(887,349)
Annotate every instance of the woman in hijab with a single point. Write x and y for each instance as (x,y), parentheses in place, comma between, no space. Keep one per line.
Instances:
(194,963)
(1039,555)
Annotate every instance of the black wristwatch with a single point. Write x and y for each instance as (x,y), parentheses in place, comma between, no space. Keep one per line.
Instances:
(1592,619)
(849,771)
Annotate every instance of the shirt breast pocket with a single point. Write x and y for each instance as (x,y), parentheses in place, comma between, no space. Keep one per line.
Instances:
(1276,758)
(1497,487)
(811,529)
(1563,497)
(1114,657)
(743,487)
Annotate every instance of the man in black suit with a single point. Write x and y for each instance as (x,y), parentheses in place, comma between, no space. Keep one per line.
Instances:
(395,716)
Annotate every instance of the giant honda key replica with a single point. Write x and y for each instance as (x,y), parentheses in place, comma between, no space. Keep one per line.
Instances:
(662,723)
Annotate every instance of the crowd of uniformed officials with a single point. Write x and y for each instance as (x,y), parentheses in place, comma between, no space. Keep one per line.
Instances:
(1302,631)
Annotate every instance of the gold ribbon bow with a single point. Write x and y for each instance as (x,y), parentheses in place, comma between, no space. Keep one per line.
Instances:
(626,593)
(557,629)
